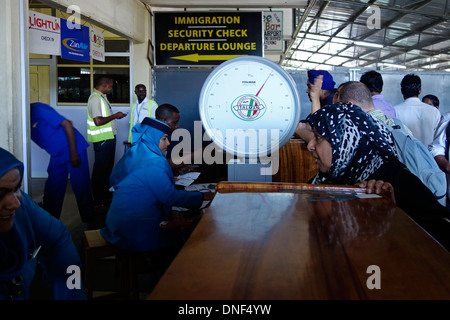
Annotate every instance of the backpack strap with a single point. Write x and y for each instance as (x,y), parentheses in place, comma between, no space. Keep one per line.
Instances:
(398,124)
(447,139)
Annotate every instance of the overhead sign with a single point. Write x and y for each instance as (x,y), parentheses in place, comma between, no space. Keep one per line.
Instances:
(74,41)
(206,38)
(273,30)
(97,44)
(44,33)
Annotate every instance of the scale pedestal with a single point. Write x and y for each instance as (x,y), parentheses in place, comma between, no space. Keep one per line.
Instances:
(244,170)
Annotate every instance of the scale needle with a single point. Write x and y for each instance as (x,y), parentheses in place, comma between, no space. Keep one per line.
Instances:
(264,83)
(249,113)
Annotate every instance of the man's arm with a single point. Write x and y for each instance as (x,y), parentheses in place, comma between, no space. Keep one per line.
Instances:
(437,147)
(303,131)
(94,109)
(443,163)
(70,134)
(314,93)
(99,121)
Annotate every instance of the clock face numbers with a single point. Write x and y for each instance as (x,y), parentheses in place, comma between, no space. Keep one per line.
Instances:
(248,106)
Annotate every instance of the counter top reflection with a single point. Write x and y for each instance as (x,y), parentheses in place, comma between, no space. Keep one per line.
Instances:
(285,242)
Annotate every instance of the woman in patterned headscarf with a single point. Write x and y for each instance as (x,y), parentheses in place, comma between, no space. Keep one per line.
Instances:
(351,147)
(360,144)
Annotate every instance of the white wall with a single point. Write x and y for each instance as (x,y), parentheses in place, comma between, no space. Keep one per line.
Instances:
(77,114)
(122,17)
(14,81)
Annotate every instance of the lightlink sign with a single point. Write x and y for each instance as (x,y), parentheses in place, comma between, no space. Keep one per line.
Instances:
(44,33)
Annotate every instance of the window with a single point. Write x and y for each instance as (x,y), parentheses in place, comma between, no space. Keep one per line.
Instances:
(76,79)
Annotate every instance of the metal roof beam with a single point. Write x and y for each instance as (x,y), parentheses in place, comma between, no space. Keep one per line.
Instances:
(305,15)
(395,8)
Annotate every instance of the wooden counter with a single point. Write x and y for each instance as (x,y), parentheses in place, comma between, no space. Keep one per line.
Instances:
(305,244)
(296,163)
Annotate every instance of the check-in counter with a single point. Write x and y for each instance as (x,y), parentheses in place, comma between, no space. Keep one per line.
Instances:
(296,163)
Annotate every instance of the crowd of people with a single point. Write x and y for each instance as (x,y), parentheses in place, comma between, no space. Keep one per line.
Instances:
(352,142)
(137,193)
(348,133)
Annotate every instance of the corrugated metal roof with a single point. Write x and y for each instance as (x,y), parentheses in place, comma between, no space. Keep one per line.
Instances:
(414,35)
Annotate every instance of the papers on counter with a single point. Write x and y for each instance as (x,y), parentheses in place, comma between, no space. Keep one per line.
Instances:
(187,179)
(202,187)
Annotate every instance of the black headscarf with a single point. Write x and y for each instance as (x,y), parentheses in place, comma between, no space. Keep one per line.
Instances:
(360,143)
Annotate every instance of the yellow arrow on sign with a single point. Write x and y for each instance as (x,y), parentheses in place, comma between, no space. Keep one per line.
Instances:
(195,57)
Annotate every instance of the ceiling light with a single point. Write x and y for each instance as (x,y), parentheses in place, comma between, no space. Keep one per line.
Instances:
(394,65)
(368,44)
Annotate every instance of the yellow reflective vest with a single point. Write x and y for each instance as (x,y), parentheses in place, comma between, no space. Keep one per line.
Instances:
(99,133)
(150,104)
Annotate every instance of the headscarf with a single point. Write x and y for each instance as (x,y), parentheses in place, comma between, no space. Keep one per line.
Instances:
(360,143)
(12,256)
(145,150)
(8,161)
(327,84)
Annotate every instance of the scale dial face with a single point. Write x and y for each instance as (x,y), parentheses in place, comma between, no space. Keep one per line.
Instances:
(249,106)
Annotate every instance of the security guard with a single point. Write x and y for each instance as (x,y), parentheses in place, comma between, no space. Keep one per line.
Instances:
(102,131)
(143,107)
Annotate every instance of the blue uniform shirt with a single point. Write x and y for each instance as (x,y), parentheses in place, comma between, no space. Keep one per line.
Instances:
(47,133)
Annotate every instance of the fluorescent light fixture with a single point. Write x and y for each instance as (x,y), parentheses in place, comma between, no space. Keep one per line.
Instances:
(394,65)
(368,44)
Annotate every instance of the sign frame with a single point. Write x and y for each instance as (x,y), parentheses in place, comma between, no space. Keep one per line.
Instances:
(206,38)
(44,33)
(279,47)
(97,52)
(151,53)
(75,42)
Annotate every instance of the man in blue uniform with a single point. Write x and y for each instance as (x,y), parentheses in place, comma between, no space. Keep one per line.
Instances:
(67,148)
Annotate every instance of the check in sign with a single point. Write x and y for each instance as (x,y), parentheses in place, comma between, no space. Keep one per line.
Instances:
(206,38)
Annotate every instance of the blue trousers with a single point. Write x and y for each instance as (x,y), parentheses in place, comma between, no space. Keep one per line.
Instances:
(105,152)
(59,170)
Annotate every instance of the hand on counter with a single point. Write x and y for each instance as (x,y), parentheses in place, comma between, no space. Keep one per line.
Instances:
(379,187)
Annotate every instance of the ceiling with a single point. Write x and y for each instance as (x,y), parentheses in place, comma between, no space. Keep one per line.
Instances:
(411,34)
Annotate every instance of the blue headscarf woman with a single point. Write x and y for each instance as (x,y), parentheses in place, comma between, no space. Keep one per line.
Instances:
(29,234)
(351,147)
(144,191)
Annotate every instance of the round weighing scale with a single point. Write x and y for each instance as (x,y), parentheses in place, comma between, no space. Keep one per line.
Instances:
(249,106)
